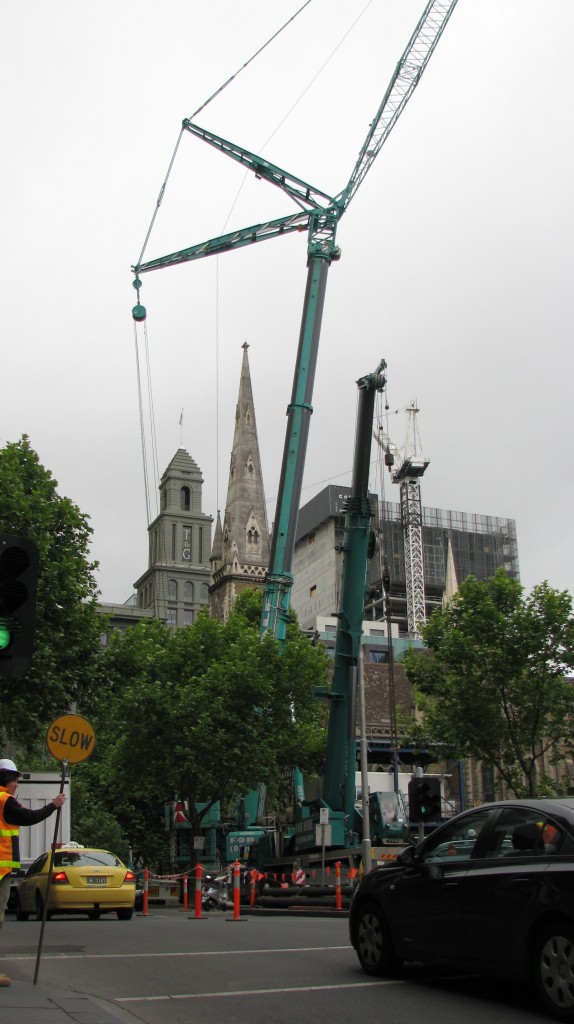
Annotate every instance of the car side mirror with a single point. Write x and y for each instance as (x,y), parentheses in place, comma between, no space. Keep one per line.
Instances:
(407,857)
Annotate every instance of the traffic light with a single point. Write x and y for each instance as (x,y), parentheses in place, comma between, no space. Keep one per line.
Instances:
(424,799)
(18,577)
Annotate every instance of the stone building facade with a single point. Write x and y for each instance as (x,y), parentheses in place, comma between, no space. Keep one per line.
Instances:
(175,585)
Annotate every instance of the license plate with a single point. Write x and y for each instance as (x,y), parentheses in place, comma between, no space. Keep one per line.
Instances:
(97,880)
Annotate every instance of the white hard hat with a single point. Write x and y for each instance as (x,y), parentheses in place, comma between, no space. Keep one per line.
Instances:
(6,765)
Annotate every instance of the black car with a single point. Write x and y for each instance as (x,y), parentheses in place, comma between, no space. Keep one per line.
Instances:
(491,891)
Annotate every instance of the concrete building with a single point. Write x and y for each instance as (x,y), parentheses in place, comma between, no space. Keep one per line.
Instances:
(175,585)
(478,544)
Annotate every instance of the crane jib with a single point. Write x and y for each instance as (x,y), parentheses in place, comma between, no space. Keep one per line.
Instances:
(319,214)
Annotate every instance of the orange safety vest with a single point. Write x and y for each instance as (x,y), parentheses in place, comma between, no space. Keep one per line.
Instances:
(9,853)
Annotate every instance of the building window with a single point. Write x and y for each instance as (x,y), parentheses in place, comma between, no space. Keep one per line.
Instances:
(375,656)
(204,598)
(185,499)
(188,615)
(172,590)
(171,618)
(173,540)
(200,544)
(188,592)
(164,499)
(313,590)
(252,540)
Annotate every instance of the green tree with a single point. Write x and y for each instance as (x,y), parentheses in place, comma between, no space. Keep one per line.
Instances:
(67,625)
(492,683)
(206,713)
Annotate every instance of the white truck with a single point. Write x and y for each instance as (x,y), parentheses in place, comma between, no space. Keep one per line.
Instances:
(37,789)
(394,807)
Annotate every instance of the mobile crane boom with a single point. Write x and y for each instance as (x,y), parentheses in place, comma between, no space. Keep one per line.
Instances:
(319,213)
(339,779)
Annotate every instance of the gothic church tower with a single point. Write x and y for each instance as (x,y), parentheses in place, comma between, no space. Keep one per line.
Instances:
(240,552)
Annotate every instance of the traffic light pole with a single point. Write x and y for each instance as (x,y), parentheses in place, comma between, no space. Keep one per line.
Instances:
(366,842)
(419,774)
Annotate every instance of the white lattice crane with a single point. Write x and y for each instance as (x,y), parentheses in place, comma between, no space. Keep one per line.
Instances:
(407,466)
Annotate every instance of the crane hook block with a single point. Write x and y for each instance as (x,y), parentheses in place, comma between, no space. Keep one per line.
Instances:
(139,313)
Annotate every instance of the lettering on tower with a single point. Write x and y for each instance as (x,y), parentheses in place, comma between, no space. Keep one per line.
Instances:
(186,550)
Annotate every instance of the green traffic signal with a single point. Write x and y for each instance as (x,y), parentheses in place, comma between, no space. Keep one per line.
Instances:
(18,580)
(5,636)
(424,799)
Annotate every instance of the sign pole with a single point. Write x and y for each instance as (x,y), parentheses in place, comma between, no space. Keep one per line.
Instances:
(70,739)
(50,869)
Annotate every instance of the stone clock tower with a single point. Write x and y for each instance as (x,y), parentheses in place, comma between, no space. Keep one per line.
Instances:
(240,553)
(176,583)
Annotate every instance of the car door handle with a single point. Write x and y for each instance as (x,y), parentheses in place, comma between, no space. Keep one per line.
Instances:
(521,881)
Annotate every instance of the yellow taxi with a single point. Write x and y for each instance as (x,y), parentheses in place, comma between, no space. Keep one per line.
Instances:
(84,880)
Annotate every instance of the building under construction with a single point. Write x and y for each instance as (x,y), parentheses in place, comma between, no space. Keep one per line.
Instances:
(455,545)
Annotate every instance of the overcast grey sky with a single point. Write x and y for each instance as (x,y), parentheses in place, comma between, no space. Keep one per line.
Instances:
(456,252)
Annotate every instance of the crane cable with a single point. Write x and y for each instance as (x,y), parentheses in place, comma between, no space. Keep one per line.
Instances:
(142,424)
(146,240)
(261,150)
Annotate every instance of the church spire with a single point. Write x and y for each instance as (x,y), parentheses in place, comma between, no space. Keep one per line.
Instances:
(242,557)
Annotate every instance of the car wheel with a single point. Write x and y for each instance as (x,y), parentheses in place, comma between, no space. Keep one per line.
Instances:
(94,915)
(125,914)
(39,906)
(374,944)
(21,915)
(554,969)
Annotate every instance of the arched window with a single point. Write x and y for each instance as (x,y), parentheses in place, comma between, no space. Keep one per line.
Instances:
(188,592)
(172,590)
(185,499)
(252,539)
(204,593)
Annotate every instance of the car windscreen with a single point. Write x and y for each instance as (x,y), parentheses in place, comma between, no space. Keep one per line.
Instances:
(85,859)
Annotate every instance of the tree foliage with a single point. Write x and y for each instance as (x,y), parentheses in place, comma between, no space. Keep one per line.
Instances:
(67,626)
(207,713)
(492,683)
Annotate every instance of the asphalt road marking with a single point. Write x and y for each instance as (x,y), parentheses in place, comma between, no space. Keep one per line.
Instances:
(258,991)
(195,953)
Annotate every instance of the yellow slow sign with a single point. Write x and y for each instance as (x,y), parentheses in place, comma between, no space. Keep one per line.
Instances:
(71,738)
